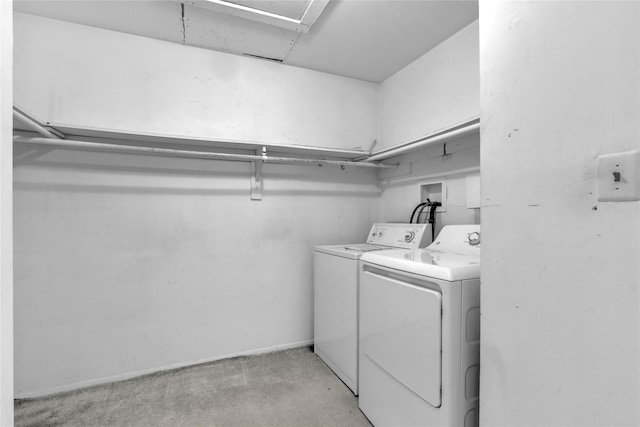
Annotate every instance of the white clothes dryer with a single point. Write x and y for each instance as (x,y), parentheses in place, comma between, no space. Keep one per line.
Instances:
(420,332)
(336,272)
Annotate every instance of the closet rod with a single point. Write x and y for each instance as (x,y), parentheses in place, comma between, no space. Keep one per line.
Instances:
(32,124)
(463,130)
(74,144)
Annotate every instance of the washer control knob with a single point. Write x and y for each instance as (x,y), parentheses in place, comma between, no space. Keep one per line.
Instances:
(408,238)
(474,238)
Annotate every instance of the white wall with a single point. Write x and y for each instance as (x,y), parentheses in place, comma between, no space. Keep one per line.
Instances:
(89,77)
(128,264)
(400,187)
(438,90)
(560,302)
(6,245)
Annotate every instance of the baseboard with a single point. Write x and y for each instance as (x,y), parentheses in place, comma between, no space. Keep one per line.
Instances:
(127,376)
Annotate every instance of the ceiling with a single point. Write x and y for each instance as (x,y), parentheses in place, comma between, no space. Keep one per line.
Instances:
(363,39)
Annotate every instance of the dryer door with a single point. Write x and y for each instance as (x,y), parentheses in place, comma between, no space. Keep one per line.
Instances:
(401,332)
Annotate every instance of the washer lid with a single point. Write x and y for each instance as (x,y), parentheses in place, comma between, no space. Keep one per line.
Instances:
(354,251)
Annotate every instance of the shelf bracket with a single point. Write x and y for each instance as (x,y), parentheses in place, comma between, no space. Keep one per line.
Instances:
(256,175)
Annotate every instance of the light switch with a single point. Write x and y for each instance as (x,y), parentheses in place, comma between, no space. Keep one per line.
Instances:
(618,177)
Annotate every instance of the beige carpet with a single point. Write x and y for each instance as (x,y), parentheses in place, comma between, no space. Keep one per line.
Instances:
(287,388)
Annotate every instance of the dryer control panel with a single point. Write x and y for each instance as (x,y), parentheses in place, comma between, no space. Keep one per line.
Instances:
(459,239)
(408,236)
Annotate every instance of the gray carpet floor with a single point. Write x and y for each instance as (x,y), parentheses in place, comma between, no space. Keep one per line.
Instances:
(286,388)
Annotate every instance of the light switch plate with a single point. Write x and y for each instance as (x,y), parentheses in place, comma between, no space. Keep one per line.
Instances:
(618,177)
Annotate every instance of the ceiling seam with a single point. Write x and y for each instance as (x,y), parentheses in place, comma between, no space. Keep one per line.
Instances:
(293,43)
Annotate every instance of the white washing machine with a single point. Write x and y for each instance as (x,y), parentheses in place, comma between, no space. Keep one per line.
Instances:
(336,272)
(420,332)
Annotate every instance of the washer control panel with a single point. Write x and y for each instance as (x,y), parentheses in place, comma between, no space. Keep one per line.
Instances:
(409,236)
